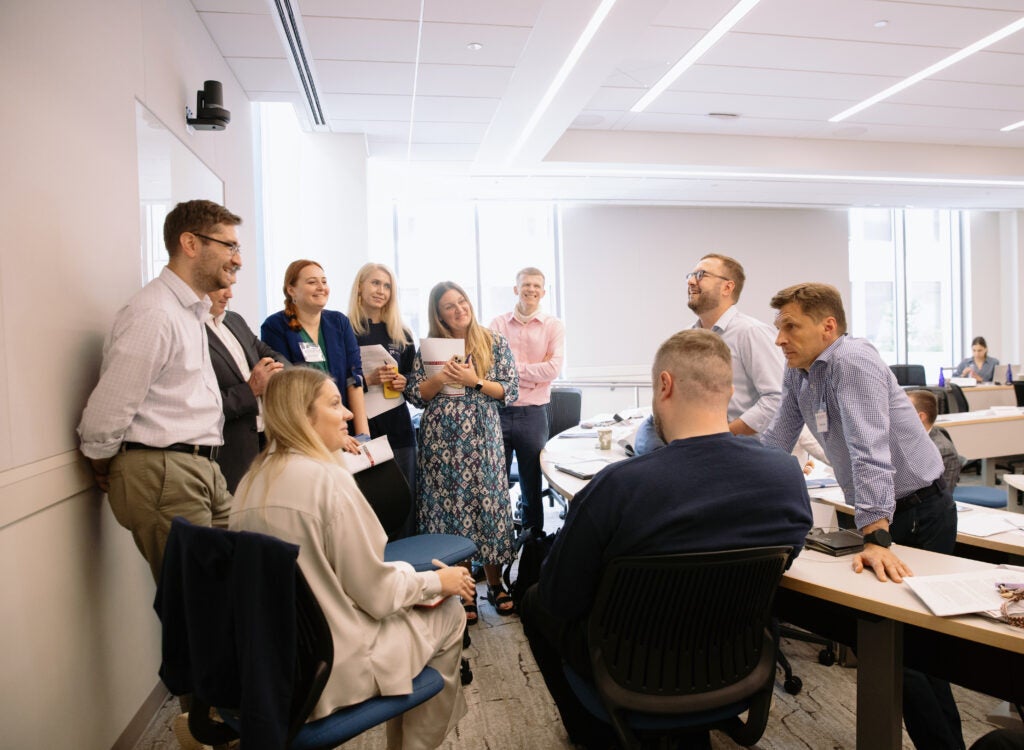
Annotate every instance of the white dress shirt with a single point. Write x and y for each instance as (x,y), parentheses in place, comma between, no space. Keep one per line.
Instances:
(157,386)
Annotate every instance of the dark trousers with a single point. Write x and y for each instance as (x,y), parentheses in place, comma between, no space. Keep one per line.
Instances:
(525,431)
(929,711)
(406,460)
(553,641)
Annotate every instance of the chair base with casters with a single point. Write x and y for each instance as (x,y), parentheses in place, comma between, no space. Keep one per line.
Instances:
(988,497)
(681,643)
(791,683)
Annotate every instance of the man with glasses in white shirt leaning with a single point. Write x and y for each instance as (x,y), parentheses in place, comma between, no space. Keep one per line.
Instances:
(152,426)
(713,290)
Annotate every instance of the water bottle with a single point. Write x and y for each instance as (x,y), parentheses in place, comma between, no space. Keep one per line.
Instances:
(1009,374)
(942,378)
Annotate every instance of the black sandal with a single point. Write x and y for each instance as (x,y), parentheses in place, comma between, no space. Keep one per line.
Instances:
(472,615)
(497,595)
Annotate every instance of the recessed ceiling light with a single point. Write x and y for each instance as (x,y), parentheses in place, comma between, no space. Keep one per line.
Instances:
(881,24)
(723,115)
(1015,125)
(474,46)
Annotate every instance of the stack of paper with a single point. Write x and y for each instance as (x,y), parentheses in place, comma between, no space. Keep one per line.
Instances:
(964,593)
(370,454)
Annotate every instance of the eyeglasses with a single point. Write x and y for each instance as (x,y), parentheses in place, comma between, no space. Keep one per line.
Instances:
(698,275)
(234,247)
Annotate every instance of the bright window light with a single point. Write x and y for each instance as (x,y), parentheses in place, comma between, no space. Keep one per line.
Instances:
(709,40)
(932,69)
(563,73)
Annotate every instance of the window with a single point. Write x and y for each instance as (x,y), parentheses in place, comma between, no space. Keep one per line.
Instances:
(906,285)
(479,246)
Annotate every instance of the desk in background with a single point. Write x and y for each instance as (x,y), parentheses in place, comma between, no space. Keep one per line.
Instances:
(985,435)
(981,397)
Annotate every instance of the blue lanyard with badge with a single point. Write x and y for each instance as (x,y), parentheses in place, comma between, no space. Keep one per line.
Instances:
(311,352)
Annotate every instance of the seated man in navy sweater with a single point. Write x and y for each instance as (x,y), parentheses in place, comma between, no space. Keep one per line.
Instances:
(706,490)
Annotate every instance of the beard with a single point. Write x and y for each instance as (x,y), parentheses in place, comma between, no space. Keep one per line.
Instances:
(700,303)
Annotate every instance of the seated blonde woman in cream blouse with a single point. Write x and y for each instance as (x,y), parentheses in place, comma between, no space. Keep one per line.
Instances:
(297,491)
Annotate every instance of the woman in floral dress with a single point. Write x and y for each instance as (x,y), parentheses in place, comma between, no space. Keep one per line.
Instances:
(460,466)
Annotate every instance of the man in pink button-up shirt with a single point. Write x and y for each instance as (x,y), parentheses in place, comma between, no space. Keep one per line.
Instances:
(537,342)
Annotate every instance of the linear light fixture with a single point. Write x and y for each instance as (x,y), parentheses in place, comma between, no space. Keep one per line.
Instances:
(563,73)
(415,83)
(1015,125)
(933,69)
(698,50)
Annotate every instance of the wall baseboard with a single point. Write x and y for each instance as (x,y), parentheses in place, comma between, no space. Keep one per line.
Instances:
(143,718)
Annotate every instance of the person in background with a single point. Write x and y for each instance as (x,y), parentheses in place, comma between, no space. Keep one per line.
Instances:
(243,365)
(377,320)
(713,291)
(979,365)
(308,334)
(687,497)
(927,406)
(297,490)
(462,486)
(883,460)
(537,341)
(152,426)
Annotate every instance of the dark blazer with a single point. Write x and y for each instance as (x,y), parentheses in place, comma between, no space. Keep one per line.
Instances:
(241,440)
(341,348)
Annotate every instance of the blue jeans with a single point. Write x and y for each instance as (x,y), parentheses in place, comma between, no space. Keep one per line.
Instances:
(525,430)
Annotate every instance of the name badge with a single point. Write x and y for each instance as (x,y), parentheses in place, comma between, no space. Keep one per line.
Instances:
(311,352)
(821,420)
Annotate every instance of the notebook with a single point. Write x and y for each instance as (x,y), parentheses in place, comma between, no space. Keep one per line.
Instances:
(835,543)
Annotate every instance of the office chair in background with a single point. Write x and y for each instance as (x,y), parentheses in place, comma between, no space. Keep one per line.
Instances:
(680,643)
(242,628)
(909,374)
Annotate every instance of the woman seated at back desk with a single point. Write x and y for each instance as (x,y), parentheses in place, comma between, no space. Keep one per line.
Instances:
(979,365)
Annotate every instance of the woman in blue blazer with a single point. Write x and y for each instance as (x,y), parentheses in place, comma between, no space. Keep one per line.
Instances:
(309,335)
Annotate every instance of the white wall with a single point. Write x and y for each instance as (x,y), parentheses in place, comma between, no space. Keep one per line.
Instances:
(995,274)
(79,639)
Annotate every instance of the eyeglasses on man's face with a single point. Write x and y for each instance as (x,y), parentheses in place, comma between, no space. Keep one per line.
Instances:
(698,275)
(234,247)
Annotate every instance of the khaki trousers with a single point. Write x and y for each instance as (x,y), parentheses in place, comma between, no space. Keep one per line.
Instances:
(150,487)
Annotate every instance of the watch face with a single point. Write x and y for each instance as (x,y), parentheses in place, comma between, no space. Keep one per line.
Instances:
(881,537)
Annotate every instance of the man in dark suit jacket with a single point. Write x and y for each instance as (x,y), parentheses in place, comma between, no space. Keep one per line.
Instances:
(243,365)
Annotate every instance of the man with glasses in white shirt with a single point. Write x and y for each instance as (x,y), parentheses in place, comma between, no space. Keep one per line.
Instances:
(713,290)
(152,426)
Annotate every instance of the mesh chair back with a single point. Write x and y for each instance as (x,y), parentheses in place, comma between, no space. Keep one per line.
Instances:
(566,408)
(959,398)
(684,633)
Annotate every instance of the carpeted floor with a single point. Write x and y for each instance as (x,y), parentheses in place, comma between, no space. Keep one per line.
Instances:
(511,709)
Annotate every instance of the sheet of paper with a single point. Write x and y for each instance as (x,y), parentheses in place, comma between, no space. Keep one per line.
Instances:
(370,454)
(962,593)
(983,524)
(436,353)
(373,357)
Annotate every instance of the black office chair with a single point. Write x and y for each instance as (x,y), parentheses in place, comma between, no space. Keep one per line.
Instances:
(1018,391)
(909,374)
(959,399)
(680,643)
(243,630)
(384,487)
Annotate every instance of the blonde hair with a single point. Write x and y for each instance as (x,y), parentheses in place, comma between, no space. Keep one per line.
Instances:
(700,363)
(479,341)
(390,315)
(287,410)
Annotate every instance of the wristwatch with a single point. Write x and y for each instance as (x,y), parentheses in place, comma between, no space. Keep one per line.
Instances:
(479,385)
(881,537)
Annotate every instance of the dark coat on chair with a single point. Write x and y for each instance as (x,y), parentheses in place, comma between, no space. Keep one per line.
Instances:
(241,440)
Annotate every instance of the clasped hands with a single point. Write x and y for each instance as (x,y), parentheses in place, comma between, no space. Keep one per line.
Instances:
(458,373)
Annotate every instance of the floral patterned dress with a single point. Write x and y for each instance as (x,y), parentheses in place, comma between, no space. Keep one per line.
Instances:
(462,487)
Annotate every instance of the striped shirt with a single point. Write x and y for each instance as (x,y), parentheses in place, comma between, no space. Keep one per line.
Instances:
(157,385)
(868,427)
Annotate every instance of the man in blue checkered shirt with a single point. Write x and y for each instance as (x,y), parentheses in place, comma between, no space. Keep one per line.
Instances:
(888,467)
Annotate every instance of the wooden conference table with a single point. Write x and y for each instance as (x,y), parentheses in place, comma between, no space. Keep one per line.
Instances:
(981,397)
(887,623)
